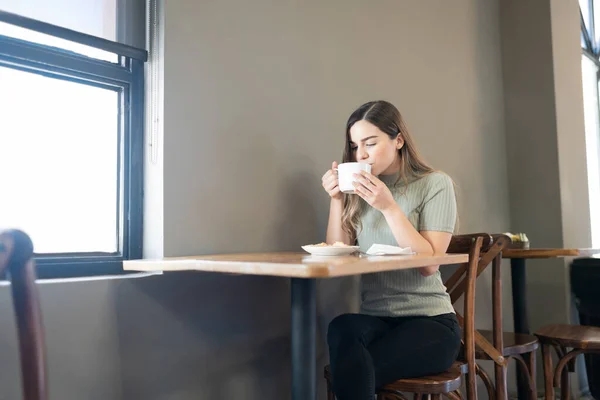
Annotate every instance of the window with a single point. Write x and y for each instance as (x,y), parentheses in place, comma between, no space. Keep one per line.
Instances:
(590,64)
(94,17)
(71,145)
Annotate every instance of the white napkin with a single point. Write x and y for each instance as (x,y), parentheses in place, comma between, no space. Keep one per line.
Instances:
(383,249)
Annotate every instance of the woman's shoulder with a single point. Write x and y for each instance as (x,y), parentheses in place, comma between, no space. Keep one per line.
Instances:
(436,180)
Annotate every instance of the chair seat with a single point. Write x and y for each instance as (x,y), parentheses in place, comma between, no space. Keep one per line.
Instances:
(462,366)
(514,344)
(444,382)
(576,336)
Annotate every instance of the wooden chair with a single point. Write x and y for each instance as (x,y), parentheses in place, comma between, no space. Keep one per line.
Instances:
(506,345)
(496,345)
(569,341)
(446,383)
(16,260)
(579,339)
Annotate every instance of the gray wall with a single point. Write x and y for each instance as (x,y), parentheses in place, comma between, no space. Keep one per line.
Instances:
(548,186)
(265,109)
(255,101)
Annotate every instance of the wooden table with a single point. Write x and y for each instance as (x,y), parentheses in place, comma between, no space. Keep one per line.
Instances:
(519,293)
(303,270)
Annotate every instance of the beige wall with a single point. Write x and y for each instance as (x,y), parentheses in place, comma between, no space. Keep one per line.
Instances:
(255,100)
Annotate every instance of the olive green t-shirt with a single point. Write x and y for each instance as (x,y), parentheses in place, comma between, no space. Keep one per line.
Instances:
(430,205)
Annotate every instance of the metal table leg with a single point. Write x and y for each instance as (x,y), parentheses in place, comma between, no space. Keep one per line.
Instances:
(304,327)
(520,318)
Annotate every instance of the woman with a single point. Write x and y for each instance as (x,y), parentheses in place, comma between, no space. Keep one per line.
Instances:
(407,326)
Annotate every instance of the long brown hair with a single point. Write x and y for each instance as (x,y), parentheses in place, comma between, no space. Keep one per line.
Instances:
(388,119)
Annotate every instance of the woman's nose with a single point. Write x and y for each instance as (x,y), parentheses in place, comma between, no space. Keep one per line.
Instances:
(362,154)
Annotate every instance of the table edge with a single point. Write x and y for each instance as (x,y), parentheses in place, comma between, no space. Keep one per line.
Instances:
(540,253)
(274,269)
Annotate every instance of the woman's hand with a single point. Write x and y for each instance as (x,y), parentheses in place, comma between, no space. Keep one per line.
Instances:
(330,182)
(374,192)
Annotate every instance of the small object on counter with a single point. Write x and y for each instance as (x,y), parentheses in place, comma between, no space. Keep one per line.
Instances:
(519,240)
(325,249)
(384,249)
(323,244)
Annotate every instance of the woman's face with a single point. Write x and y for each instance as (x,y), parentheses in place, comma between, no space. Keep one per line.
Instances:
(372,146)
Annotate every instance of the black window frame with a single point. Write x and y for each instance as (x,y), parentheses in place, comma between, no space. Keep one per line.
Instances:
(126,77)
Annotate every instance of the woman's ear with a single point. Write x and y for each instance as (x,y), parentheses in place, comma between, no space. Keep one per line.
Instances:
(399,142)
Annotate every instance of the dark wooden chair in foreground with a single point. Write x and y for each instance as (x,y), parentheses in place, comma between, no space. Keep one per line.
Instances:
(579,339)
(16,261)
(446,383)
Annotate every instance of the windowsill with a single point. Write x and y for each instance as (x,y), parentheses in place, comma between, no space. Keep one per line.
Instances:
(79,266)
(133,275)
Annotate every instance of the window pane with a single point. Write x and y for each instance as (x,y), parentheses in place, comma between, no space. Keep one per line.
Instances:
(59,153)
(585,11)
(592,133)
(94,17)
(597,20)
(41,38)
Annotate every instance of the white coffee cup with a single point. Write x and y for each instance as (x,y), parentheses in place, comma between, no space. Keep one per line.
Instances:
(345,172)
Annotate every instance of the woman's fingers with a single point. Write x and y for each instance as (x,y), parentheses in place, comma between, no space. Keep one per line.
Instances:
(330,185)
(362,192)
(365,181)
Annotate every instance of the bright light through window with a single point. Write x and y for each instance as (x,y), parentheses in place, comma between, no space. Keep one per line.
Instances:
(40,38)
(59,156)
(94,17)
(71,131)
(590,44)
(592,131)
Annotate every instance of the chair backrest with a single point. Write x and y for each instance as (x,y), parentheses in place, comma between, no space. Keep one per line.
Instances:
(491,251)
(470,277)
(492,248)
(16,259)
(462,243)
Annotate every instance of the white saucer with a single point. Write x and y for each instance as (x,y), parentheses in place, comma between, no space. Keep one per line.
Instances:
(330,250)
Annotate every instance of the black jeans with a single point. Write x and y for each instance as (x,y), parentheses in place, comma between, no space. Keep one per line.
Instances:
(367,352)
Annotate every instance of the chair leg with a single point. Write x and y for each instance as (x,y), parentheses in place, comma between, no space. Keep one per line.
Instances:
(565,392)
(436,396)
(531,370)
(548,372)
(501,386)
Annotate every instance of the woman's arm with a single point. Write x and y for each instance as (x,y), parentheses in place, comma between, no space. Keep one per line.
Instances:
(438,215)
(404,232)
(440,242)
(335,232)
(425,242)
